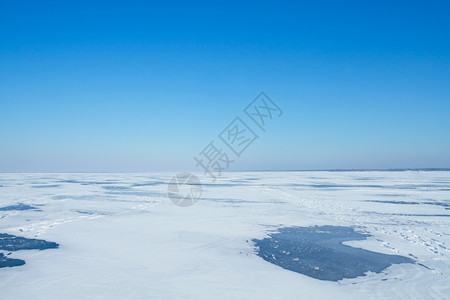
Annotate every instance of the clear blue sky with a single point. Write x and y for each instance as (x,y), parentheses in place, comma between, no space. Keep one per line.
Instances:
(138,86)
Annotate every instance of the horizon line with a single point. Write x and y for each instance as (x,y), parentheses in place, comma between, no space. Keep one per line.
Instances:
(238,171)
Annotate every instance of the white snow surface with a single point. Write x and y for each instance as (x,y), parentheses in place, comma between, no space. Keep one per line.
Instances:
(121,237)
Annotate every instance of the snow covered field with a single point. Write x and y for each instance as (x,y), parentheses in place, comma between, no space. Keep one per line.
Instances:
(120,237)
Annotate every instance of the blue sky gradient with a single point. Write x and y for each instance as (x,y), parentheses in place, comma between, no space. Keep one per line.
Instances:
(138,86)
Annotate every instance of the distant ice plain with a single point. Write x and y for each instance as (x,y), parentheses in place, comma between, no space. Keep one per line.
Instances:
(120,236)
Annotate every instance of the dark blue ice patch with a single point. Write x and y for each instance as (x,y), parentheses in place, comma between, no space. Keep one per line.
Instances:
(220,184)
(44,186)
(116,188)
(10,262)
(14,243)
(19,206)
(318,252)
(88,182)
(437,203)
(149,183)
(68,181)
